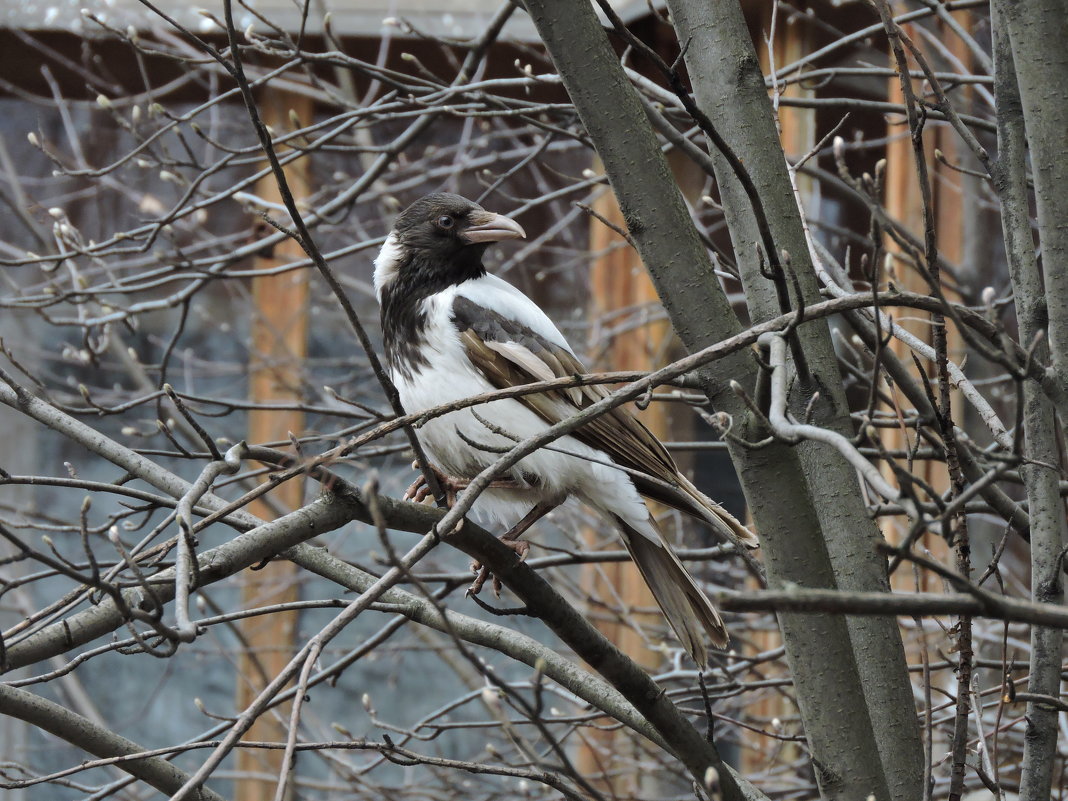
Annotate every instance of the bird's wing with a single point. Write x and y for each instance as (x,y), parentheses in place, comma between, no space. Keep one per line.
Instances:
(511,341)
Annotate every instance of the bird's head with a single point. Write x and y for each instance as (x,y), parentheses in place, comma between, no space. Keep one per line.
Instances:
(440,238)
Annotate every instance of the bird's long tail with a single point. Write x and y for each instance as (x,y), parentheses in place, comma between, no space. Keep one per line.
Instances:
(687,498)
(686,607)
(717,516)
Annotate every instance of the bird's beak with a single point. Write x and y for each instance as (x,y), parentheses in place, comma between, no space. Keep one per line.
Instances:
(489,227)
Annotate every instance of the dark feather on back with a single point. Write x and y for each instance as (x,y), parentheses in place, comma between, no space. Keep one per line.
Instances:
(618,432)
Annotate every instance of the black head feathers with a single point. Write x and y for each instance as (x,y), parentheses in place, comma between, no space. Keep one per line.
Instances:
(435,243)
(439,240)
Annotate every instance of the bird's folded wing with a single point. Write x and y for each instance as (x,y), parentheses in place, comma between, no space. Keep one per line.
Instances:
(510,353)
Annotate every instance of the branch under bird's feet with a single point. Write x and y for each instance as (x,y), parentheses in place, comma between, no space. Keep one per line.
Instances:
(419,491)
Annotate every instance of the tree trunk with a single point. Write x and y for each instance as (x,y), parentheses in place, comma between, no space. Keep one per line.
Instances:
(279,345)
(1048,527)
(1037,32)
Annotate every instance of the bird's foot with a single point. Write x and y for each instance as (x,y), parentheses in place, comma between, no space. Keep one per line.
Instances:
(482,573)
(420,490)
(511,539)
(452,486)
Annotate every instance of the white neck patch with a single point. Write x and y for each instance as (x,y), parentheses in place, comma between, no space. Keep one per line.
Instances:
(387,263)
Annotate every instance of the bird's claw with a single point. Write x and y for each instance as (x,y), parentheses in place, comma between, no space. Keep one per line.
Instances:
(417,491)
(482,573)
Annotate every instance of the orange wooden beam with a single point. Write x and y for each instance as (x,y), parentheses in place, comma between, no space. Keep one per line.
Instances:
(276,369)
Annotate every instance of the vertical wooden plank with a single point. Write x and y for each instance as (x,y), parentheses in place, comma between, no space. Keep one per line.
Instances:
(278,348)
(621,292)
(904,203)
(631,333)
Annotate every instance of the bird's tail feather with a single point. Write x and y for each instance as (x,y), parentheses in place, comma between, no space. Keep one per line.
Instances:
(717,516)
(686,607)
(687,498)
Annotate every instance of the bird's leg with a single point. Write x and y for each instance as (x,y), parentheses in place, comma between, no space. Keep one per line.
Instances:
(511,539)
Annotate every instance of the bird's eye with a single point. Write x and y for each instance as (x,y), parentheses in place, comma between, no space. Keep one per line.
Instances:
(445,221)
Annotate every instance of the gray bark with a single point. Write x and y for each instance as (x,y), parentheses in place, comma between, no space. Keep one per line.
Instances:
(1049,531)
(1037,32)
(840,725)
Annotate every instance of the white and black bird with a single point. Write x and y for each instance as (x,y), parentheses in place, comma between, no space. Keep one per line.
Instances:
(453,331)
